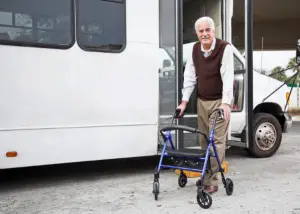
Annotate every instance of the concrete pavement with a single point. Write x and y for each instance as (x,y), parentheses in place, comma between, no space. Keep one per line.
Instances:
(261,186)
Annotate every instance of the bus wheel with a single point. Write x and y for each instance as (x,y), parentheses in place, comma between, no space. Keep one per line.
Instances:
(267,135)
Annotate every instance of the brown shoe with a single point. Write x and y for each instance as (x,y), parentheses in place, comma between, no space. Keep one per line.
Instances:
(211,189)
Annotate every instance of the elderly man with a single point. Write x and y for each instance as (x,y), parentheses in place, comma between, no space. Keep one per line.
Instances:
(210,67)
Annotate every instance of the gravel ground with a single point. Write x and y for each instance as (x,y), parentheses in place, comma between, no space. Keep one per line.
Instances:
(261,186)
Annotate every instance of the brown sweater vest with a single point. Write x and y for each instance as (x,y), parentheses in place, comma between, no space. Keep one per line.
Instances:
(209,81)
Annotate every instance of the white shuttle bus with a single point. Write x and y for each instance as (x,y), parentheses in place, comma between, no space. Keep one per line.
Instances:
(85,80)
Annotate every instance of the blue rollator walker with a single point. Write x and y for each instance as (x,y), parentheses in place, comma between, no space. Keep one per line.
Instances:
(195,160)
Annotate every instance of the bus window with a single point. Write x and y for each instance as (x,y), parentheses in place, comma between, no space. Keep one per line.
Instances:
(101,25)
(36,23)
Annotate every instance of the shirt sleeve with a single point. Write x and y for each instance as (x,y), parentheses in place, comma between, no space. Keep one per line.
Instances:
(227,74)
(189,80)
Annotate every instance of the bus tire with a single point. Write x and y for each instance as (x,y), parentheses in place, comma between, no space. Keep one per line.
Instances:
(267,136)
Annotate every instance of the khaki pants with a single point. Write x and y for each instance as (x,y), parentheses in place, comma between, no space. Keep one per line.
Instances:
(204,108)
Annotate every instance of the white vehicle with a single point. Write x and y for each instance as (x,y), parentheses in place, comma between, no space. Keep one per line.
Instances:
(269,102)
(80,81)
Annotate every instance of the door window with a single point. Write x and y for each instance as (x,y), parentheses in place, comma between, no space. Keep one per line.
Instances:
(238,85)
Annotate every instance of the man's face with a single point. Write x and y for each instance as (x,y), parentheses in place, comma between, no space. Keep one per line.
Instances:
(205,34)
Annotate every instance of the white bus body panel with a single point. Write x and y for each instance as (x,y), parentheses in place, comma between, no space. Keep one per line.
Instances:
(71,105)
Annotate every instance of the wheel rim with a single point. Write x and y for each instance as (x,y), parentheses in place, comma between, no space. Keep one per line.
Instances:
(207,200)
(182,180)
(204,202)
(155,187)
(265,136)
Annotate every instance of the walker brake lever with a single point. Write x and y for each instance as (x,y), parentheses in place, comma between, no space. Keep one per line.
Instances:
(221,113)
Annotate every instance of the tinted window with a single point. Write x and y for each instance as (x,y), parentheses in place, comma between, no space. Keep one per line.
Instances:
(238,86)
(101,25)
(238,65)
(167,23)
(36,22)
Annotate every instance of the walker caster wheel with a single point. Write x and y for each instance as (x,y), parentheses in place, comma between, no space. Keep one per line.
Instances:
(229,186)
(204,200)
(182,180)
(155,189)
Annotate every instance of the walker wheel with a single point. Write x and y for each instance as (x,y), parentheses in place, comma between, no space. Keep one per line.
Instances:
(155,189)
(204,200)
(182,180)
(229,186)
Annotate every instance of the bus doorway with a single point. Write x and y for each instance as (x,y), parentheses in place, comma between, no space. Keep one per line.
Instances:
(177,37)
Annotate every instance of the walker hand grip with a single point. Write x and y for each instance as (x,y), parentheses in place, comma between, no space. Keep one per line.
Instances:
(219,112)
(183,128)
(177,112)
(179,127)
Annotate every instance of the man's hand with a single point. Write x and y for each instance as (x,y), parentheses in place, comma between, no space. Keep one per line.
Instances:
(227,110)
(182,107)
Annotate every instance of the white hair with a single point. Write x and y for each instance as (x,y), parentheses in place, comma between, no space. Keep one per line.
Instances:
(207,20)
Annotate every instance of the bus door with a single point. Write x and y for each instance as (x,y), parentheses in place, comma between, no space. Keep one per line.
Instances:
(177,36)
(170,72)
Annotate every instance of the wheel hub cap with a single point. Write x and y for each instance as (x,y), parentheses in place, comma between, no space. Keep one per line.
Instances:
(265,136)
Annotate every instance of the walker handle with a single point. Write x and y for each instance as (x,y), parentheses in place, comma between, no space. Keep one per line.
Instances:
(220,113)
(179,127)
(183,128)
(177,112)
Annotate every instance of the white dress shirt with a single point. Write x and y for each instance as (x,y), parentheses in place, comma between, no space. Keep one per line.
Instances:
(227,74)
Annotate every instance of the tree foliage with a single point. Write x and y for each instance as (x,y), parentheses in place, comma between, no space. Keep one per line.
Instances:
(282,76)
(292,63)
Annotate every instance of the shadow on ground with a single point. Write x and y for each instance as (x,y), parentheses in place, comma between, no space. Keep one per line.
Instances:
(26,178)
(88,171)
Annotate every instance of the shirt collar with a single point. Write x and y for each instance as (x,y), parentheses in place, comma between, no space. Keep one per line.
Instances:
(212,47)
